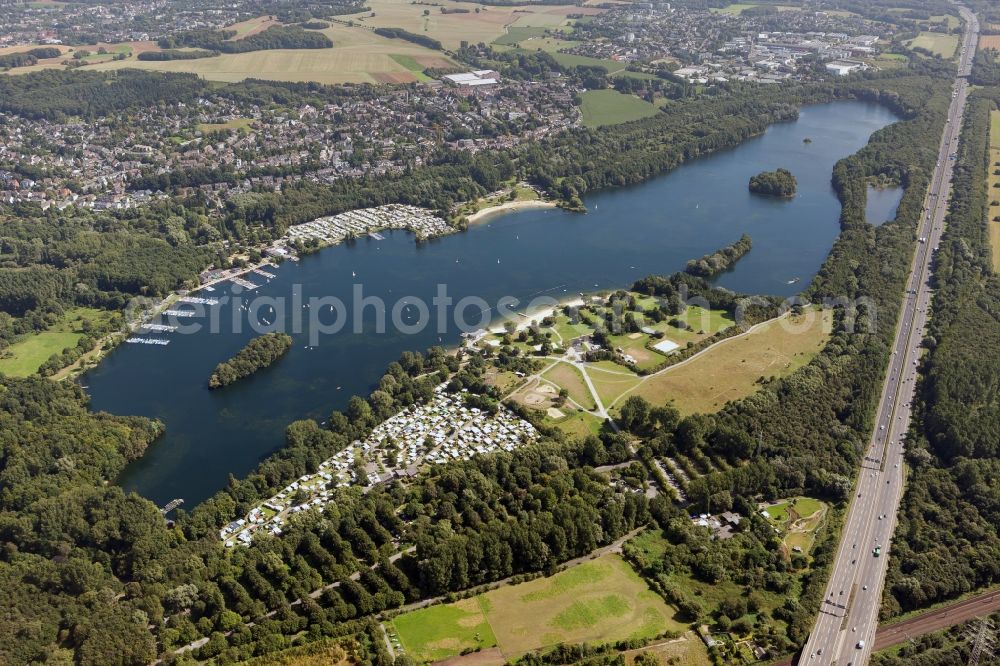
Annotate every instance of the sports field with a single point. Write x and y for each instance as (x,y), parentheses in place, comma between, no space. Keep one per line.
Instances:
(599,601)
(937,43)
(993,189)
(23,358)
(731,369)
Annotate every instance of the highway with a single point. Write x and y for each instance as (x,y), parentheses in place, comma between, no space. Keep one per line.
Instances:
(844,631)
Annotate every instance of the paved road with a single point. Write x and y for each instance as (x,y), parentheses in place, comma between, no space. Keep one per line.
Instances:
(844,630)
(935,620)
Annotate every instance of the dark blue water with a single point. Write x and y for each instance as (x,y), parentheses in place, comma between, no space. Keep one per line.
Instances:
(628,233)
(882,204)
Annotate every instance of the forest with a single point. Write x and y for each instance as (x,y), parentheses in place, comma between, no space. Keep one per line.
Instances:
(778,183)
(255,355)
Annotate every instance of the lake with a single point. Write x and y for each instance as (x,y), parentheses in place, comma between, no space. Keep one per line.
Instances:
(654,227)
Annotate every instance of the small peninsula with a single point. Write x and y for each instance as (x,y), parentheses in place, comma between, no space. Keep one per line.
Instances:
(720,260)
(780,183)
(257,354)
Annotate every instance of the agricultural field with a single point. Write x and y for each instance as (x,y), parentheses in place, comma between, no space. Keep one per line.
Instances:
(251,27)
(989,42)
(610,107)
(738,7)
(358,56)
(479,24)
(937,43)
(732,368)
(572,60)
(602,600)
(23,358)
(993,181)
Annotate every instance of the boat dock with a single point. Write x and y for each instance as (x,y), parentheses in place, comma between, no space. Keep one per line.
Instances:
(376,235)
(158,328)
(148,341)
(198,300)
(171,505)
(178,313)
(263,273)
(246,284)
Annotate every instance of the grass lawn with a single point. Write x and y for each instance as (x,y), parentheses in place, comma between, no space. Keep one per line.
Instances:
(576,423)
(937,43)
(687,651)
(599,601)
(611,384)
(634,344)
(569,331)
(569,378)
(731,369)
(610,107)
(24,357)
(994,191)
(439,632)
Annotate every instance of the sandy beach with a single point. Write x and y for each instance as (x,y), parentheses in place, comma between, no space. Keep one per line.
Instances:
(508,207)
(539,315)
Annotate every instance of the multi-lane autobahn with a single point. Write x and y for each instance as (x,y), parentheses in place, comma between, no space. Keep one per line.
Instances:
(844,630)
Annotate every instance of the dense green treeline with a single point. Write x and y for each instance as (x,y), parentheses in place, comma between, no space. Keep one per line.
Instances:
(176,54)
(26,58)
(947,541)
(399,33)
(255,355)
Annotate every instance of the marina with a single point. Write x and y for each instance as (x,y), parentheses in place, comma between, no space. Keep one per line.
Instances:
(158,328)
(178,313)
(246,284)
(148,341)
(261,272)
(198,300)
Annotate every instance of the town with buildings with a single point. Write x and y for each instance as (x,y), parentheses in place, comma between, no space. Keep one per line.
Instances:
(443,430)
(119,162)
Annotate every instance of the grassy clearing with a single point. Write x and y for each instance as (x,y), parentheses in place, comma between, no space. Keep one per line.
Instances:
(23,358)
(569,378)
(235,124)
(571,60)
(610,107)
(252,26)
(439,632)
(732,369)
(798,518)
(937,43)
(993,183)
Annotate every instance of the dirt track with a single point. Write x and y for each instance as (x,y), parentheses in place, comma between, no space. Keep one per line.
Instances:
(935,620)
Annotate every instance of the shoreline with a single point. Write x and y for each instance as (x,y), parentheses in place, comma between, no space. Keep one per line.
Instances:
(509,207)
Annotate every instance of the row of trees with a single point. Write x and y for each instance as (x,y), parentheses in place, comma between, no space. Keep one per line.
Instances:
(721,260)
(275,37)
